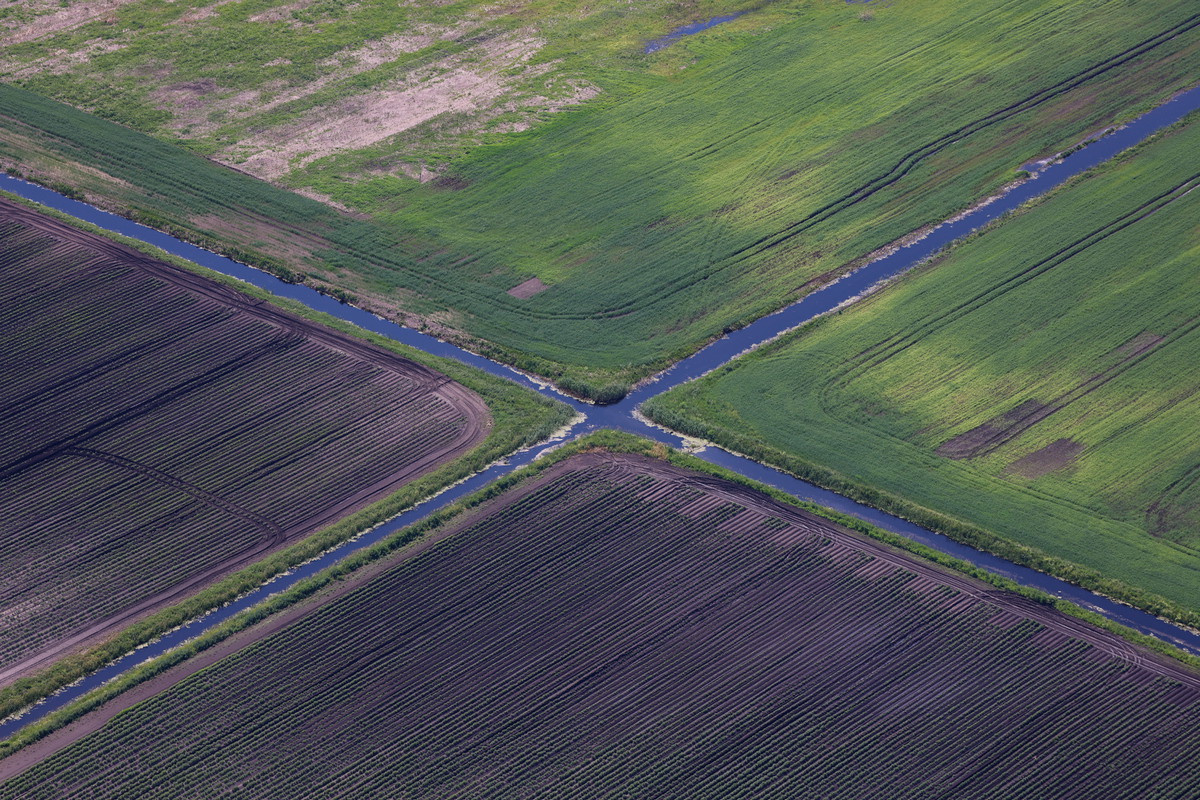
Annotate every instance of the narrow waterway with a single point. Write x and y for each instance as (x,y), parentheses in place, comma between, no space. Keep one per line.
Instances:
(622,415)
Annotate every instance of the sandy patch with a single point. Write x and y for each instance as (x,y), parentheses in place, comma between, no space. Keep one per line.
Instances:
(466,83)
(207,12)
(528,288)
(281,13)
(191,103)
(418,172)
(192,106)
(61,60)
(468,90)
(64,19)
(384,51)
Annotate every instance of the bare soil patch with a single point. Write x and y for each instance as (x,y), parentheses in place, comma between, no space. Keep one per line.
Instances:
(996,431)
(529,288)
(466,83)
(60,61)
(1142,343)
(1053,456)
(62,20)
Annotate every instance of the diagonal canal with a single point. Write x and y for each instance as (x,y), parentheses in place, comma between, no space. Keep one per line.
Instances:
(622,415)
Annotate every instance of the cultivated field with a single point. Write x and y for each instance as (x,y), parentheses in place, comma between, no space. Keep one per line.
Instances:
(703,185)
(1039,382)
(622,627)
(160,430)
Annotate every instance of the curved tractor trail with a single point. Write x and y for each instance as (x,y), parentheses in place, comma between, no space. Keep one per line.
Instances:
(272,534)
(903,167)
(623,415)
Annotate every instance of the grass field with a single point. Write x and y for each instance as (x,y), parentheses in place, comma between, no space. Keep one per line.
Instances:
(619,626)
(704,185)
(1038,383)
(162,430)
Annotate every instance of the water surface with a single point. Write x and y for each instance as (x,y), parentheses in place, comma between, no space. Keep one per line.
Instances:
(654,45)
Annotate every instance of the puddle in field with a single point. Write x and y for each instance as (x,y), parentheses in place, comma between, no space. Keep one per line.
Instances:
(654,45)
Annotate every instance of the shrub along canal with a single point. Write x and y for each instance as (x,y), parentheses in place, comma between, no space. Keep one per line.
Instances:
(622,416)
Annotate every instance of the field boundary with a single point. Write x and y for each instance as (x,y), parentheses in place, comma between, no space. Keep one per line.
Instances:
(966,533)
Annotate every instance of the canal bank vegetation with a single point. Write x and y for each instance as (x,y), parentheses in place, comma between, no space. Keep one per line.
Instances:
(283,608)
(275,438)
(695,189)
(1032,392)
(601,578)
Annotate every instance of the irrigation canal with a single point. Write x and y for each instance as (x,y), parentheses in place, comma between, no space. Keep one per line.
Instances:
(622,415)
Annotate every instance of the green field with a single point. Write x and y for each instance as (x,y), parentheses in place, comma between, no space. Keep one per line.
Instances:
(704,185)
(1039,383)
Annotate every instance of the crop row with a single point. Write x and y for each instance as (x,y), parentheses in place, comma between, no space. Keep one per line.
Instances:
(622,630)
(166,432)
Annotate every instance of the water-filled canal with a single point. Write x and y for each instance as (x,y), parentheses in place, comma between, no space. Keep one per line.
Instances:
(621,415)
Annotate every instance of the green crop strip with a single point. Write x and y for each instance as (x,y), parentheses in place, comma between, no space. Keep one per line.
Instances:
(706,185)
(1030,392)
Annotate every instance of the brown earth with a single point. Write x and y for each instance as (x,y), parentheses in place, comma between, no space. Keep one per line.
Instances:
(1000,430)
(995,431)
(529,288)
(1053,456)
(1139,344)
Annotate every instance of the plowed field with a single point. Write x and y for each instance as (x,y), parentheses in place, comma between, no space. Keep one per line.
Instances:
(158,429)
(619,627)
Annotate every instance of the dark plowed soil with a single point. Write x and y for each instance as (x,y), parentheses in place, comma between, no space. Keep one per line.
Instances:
(995,432)
(623,628)
(158,430)
(1053,456)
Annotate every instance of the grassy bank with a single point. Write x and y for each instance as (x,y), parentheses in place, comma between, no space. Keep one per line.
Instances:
(1030,392)
(519,417)
(670,207)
